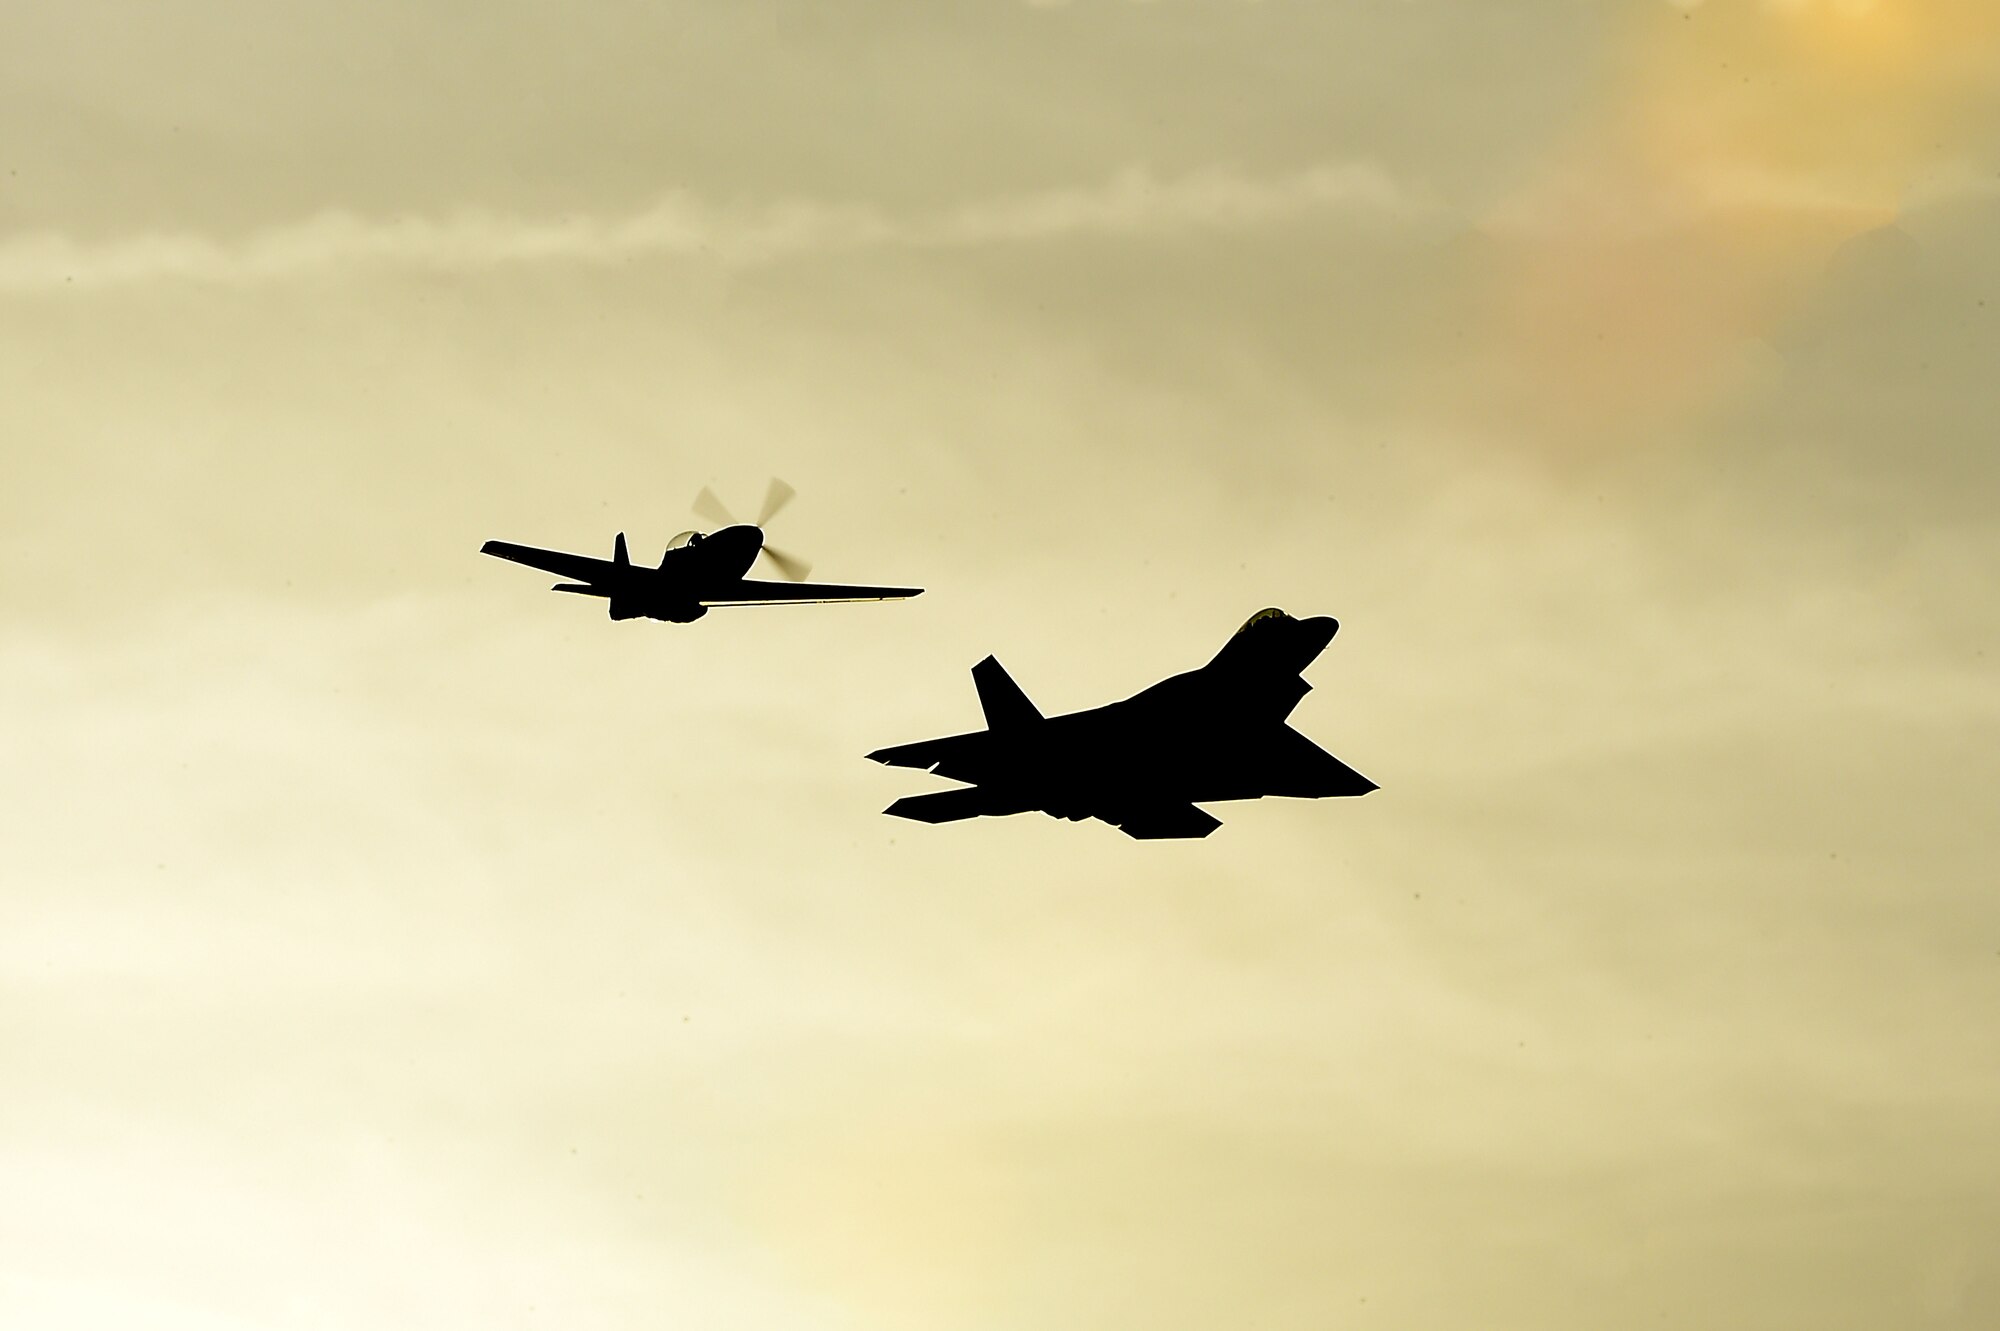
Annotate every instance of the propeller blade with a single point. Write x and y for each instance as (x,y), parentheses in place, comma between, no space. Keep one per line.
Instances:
(790,565)
(708,506)
(775,498)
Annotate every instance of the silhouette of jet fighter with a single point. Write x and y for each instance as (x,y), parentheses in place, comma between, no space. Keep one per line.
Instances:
(1217,733)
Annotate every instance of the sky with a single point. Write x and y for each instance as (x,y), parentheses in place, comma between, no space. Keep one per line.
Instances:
(386,943)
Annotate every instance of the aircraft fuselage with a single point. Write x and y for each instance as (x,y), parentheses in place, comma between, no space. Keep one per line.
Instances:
(673,592)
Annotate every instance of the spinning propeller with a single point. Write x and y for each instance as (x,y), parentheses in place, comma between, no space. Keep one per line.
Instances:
(776,497)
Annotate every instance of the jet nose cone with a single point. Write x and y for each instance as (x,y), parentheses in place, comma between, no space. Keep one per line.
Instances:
(1318,631)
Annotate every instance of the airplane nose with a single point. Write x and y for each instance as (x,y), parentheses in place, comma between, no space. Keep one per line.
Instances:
(1318,631)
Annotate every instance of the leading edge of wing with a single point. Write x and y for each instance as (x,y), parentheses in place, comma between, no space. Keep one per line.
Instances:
(583,568)
(750,592)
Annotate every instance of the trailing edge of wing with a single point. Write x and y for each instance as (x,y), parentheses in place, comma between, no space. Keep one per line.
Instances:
(750,592)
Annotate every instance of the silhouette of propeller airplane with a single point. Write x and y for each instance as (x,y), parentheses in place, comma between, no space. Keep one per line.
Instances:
(699,571)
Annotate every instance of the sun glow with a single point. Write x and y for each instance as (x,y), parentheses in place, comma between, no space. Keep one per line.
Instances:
(1865,37)
(1739,144)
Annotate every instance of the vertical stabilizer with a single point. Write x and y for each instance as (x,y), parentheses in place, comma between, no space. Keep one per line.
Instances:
(618,552)
(1006,707)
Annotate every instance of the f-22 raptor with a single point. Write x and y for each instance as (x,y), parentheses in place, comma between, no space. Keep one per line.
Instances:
(698,571)
(1143,764)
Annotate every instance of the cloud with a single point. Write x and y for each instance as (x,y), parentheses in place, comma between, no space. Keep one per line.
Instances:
(1595,204)
(1952,182)
(1849,8)
(1133,201)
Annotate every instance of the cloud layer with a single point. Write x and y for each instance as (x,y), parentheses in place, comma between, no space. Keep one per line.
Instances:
(1131,202)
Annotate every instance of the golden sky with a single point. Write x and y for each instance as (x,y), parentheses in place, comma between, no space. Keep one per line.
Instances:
(386,943)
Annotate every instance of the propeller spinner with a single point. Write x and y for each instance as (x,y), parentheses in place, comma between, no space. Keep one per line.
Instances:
(779,494)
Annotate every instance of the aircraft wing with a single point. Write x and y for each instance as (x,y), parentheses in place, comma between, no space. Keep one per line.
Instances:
(751,592)
(581,567)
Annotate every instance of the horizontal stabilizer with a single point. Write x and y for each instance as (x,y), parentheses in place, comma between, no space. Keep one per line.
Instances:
(932,754)
(950,806)
(581,589)
(1162,822)
(1005,705)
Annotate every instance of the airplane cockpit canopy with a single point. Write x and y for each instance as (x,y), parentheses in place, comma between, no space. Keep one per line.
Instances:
(684,538)
(1271,612)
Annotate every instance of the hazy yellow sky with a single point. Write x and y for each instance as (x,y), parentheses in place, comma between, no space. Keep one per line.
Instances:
(387,943)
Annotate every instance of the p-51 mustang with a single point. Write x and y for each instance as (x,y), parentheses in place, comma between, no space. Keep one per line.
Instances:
(698,571)
(1217,733)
